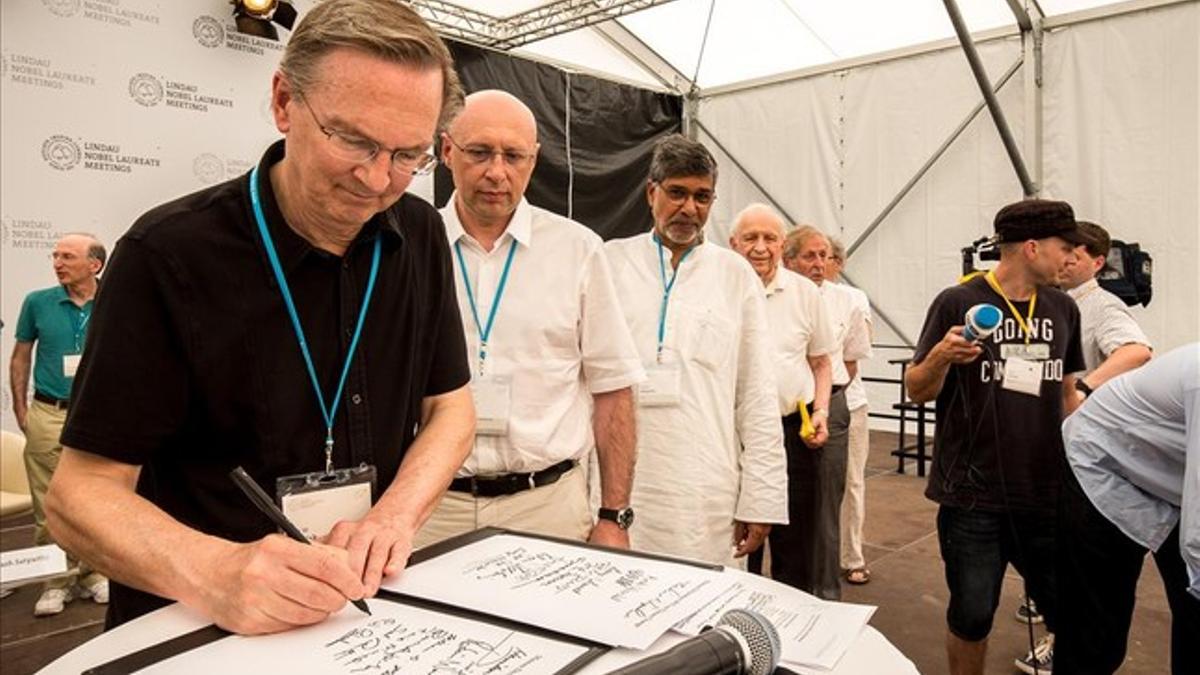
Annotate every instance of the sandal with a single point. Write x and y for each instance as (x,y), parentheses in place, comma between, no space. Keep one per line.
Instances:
(858,576)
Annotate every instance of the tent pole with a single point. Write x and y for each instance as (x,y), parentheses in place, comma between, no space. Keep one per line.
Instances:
(989,96)
(788,217)
(937,154)
(1031,47)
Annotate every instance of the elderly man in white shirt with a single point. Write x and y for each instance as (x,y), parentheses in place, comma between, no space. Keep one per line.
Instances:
(806,251)
(854,507)
(710,475)
(551,358)
(1112,341)
(802,338)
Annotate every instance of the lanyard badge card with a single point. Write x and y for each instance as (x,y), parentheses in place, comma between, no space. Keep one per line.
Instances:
(1022,372)
(663,377)
(491,393)
(316,501)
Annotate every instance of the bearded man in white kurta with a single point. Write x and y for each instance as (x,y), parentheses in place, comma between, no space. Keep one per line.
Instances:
(711,474)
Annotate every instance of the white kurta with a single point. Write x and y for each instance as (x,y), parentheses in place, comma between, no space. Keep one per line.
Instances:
(718,455)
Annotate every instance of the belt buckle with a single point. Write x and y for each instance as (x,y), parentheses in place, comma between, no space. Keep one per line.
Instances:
(532,483)
(474,486)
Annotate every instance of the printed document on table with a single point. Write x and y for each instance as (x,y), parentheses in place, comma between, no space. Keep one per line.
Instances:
(395,639)
(611,598)
(815,632)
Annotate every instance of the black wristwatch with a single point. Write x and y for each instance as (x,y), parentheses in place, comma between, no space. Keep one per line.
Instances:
(1080,385)
(622,517)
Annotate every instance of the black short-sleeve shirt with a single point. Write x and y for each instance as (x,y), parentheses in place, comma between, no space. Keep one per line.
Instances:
(997,449)
(192,366)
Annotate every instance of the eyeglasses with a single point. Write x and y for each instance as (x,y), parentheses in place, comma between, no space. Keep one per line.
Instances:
(362,150)
(482,154)
(678,196)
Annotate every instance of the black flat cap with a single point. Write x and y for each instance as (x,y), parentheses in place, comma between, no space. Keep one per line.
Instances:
(1037,219)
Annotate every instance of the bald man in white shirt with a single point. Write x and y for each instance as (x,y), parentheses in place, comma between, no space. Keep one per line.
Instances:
(552,361)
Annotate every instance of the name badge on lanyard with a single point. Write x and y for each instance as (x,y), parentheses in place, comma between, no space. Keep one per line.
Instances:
(1023,376)
(71,364)
(316,501)
(330,496)
(662,385)
(664,376)
(1037,351)
(491,393)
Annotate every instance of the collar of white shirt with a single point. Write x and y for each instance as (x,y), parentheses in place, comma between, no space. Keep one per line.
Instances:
(1084,288)
(779,282)
(520,226)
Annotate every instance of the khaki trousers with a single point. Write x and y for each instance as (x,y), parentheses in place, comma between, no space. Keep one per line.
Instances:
(559,509)
(43,427)
(854,500)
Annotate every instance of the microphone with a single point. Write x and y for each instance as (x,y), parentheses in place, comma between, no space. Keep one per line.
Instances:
(742,642)
(982,320)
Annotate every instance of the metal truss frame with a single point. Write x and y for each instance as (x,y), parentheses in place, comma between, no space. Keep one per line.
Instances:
(539,23)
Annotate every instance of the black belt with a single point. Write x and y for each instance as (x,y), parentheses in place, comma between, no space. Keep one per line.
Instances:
(511,483)
(60,403)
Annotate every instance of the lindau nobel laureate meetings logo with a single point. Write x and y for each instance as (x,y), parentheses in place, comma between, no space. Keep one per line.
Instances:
(61,152)
(62,7)
(208,168)
(208,31)
(146,89)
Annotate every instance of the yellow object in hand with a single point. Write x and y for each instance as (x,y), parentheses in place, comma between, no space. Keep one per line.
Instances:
(806,426)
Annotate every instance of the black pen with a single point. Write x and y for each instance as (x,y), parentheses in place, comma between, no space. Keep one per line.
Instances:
(264,504)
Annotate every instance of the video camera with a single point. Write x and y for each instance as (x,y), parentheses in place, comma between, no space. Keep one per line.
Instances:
(1127,274)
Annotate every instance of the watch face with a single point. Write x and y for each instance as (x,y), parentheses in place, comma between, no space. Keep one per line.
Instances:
(625,518)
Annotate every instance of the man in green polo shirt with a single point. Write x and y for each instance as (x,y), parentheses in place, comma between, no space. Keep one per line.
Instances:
(56,319)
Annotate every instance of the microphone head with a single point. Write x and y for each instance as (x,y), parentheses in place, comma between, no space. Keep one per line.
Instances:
(981,321)
(759,636)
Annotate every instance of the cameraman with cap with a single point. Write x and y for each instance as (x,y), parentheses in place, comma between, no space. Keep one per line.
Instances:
(999,405)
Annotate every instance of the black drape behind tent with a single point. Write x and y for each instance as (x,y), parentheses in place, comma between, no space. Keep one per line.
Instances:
(612,126)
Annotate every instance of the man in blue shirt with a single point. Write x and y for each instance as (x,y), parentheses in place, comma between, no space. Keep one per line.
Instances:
(1134,485)
(55,319)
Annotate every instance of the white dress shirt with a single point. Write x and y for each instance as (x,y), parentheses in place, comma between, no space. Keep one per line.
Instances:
(849,330)
(1106,322)
(558,334)
(1134,445)
(718,454)
(800,328)
(856,392)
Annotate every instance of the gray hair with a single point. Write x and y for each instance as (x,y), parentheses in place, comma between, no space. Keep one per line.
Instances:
(758,207)
(384,28)
(837,249)
(96,250)
(796,238)
(677,155)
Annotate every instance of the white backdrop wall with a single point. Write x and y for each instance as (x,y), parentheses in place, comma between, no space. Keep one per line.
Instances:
(1121,114)
(109,107)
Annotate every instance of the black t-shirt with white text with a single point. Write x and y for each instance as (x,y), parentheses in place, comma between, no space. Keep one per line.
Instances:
(997,449)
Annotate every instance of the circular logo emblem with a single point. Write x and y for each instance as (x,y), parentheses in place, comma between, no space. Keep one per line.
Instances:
(61,152)
(4,234)
(208,168)
(145,89)
(62,7)
(3,65)
(208,31)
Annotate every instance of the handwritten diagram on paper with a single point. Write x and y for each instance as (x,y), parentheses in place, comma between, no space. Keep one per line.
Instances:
(590,593)
(814,632)
(397,639)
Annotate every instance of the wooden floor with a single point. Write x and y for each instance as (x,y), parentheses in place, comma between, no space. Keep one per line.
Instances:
(907,585)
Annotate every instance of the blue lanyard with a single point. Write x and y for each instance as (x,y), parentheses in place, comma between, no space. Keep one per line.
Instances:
(273,257)
(485,331)
(79,321)
(667,286)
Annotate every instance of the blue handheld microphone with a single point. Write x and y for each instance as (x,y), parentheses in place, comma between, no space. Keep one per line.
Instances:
(982,320)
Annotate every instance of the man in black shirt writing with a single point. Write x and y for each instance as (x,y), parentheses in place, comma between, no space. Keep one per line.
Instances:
(300,322)
(1000,402)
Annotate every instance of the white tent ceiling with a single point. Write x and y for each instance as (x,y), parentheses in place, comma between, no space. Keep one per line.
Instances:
(750,39)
